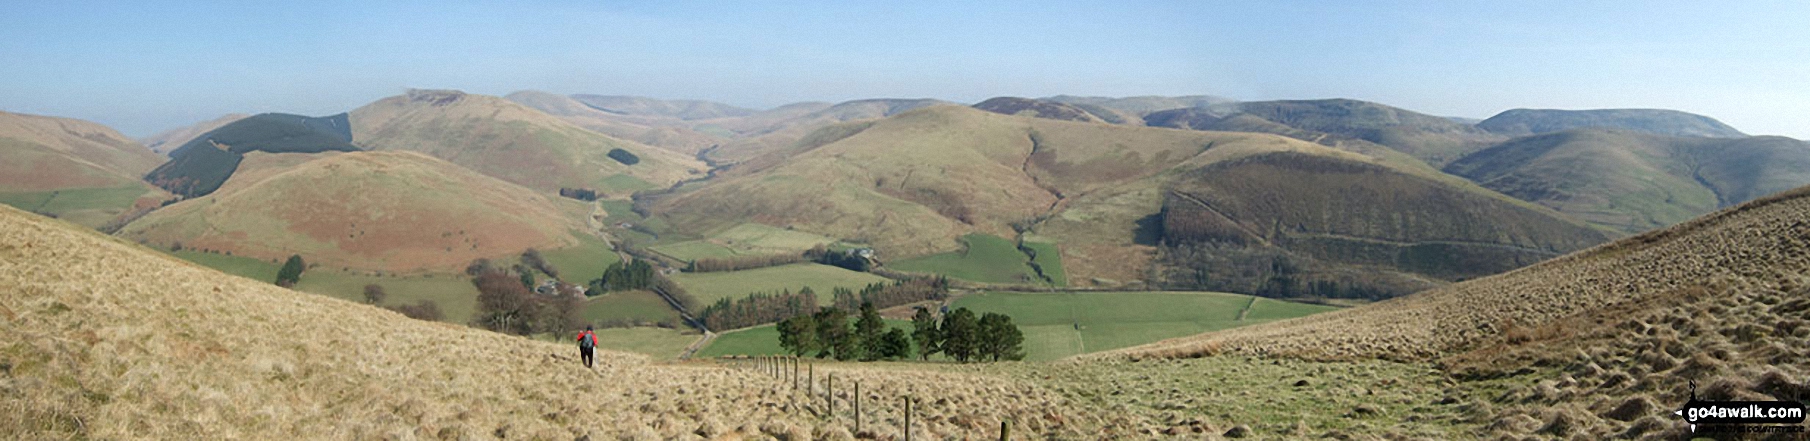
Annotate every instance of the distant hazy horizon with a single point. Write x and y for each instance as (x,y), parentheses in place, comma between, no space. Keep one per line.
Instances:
(145,67)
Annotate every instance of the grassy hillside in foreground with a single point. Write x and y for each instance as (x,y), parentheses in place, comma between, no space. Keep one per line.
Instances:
(1058,325)
(111,340)
(385,211)
(710,287)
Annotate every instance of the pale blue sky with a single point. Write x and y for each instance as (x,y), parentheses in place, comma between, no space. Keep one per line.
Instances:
(146,66)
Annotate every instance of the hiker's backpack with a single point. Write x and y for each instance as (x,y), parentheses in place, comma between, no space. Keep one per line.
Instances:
(589,341)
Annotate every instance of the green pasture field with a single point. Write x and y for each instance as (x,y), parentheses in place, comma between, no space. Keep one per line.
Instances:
(710,287)
(987,259)
(1058,325)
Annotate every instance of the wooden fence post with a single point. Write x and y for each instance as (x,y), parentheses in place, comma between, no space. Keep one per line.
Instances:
(794,373)
(857,406)
(831,397)
(1005,430)
(907,418)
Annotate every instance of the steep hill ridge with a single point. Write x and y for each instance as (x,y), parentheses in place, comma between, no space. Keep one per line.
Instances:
(1757,244)
(110,340)
(1522,122)
(1630,182)
(387,211)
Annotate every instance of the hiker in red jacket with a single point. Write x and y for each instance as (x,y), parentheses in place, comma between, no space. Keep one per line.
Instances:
(587,345)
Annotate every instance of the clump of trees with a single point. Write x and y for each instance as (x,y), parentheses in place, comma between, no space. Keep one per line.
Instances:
(707,265)
(827,333)
(638,274)
(900,292)
(844,260)
(291,271)
(533,259)
(624,157)
(959,335)
(757,308)
(583,194)
(374,294)
(504,305)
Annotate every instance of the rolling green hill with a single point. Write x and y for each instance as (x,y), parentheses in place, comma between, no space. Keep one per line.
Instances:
(912,184)
(76,170)
(384,211)
(1295,219)
(1628,182)
(514,143)
(1522,122)
(200,166)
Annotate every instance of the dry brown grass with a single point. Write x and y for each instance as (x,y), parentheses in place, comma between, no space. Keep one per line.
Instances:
(106,339)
